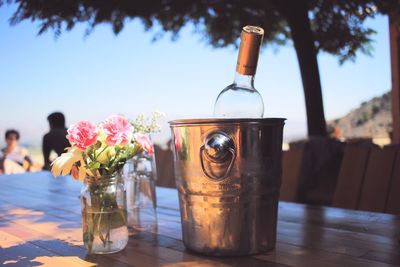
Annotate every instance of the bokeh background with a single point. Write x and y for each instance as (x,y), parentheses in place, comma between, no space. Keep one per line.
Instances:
(92,77)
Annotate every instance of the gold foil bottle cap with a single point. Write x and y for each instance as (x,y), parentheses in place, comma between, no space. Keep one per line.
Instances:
(250,43)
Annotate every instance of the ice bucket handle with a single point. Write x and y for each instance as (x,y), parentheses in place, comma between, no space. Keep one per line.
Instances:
(218,148)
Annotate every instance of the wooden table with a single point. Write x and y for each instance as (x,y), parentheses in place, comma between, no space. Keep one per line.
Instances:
(40,225)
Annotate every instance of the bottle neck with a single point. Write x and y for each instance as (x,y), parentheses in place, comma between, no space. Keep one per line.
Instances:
(246,81)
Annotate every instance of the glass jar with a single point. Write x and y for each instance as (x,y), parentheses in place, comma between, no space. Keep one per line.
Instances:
(141,193)
(104,214)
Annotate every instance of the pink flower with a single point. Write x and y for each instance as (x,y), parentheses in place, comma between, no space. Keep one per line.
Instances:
(118,130)
(145,142)
(82,134)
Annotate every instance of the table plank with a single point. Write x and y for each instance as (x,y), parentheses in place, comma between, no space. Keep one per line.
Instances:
(43,214)
(389,258)
(41,233)
(303,256)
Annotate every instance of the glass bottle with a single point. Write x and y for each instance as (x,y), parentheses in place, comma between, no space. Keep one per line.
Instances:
(104,215)
(141,193)
(241,99)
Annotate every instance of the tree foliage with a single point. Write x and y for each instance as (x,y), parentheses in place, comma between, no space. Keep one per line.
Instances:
(337,25)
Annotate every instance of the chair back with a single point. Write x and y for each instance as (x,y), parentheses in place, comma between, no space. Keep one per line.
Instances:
(291,167)
(393,201)
(375,188)
(351,175)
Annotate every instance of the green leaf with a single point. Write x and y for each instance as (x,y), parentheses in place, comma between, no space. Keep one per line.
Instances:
(94,165)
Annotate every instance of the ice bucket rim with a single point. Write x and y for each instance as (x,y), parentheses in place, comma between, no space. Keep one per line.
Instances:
(241,121)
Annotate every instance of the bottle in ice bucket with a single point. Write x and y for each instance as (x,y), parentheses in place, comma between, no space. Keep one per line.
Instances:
(241,99)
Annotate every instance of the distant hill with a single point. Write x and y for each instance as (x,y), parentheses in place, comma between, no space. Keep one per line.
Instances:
(372,119)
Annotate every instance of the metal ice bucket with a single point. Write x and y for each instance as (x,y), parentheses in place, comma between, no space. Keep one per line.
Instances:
(228,175)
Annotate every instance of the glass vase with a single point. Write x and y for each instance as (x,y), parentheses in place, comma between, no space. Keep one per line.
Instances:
(104,215)
(140,180)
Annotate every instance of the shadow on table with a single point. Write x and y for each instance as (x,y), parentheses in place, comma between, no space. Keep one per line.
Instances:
(40,252)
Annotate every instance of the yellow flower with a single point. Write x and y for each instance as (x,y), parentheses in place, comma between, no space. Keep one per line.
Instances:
(82,171)
(63,164)
(79,173)
(102,136)
(105,156)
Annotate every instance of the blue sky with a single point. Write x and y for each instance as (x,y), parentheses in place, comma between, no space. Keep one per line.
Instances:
(103,74)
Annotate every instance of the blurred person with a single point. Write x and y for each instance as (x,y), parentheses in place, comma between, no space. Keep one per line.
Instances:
(55,140)
(13,158)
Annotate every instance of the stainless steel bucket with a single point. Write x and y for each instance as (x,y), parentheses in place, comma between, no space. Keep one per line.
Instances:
(228,175)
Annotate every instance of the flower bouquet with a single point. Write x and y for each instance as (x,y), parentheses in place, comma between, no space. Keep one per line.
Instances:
(96,157)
